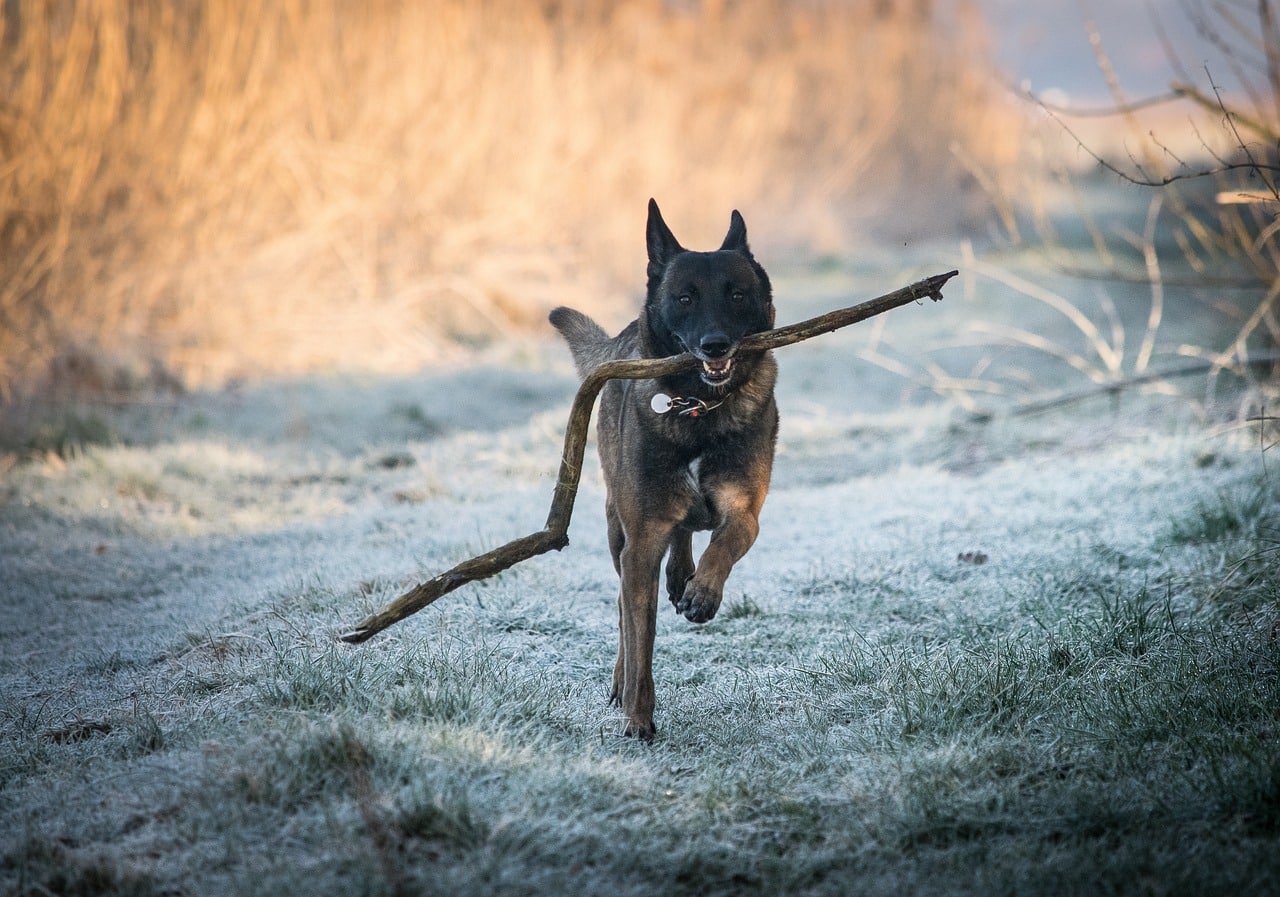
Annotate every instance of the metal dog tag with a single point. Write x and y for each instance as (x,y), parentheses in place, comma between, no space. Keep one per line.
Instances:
(661,403)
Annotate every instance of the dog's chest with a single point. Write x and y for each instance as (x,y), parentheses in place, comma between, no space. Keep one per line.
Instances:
(692,475)
(701,514)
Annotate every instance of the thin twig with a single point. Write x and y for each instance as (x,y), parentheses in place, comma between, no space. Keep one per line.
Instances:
(554,536)
(1101,111)
(1115,274)
(1152,261)
(1215,104)
(1182,91)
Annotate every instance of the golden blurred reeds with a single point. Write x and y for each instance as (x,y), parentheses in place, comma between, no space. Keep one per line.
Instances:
(220,189)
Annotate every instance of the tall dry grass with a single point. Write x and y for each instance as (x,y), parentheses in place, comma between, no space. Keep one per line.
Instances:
(220,188)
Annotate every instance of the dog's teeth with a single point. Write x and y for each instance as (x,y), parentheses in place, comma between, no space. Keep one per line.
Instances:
(717,367)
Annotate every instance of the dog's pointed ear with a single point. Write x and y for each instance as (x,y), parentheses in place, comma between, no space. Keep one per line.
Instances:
(663,245)
(736,238)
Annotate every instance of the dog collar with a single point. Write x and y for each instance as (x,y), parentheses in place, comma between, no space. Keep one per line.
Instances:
(685,406)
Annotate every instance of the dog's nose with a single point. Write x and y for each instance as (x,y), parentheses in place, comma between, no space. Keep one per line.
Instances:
(715,345)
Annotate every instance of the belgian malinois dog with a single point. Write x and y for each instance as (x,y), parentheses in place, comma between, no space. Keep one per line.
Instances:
(688,452)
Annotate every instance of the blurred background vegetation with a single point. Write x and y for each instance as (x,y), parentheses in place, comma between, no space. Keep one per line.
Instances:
(196,193)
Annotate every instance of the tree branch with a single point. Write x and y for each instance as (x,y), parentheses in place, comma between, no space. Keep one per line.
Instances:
(1115,387)
(554,536)
(1178,91)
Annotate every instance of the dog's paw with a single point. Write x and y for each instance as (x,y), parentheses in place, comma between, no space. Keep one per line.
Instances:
(644,730)
(698,603)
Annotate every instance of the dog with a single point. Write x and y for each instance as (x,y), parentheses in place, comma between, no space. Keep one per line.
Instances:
(688,452)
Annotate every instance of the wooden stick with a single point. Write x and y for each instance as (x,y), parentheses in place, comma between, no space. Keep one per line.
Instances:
(554,536)
(1115,387)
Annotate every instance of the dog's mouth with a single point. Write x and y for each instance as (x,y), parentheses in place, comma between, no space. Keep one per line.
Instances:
(716,371)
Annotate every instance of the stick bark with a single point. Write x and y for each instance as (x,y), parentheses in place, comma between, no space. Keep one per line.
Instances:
(554,536)
(1115,387)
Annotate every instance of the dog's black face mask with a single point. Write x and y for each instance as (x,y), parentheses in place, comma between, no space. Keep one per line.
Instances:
(706,302)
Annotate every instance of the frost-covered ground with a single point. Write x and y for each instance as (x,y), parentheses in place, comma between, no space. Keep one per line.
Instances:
(1032,652)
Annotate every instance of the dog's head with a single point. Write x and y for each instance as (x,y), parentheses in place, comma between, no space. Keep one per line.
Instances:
(705,302)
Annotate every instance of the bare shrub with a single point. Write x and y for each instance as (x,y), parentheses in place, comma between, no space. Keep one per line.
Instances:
(1223,201)
(1187,286)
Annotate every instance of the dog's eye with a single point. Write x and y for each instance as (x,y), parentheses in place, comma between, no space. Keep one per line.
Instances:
(684,299)
(737,295)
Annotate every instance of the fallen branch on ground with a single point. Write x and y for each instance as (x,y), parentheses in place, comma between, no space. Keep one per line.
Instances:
(1115,387)
(555,534)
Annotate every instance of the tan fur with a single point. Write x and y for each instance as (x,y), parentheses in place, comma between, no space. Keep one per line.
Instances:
(668,475)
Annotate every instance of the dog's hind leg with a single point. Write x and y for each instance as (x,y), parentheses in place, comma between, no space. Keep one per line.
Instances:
(638,613)
(679,563)
(739,509)
(617,539)
(617,536)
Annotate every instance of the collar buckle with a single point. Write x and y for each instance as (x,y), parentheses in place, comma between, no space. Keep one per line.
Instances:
(685,406)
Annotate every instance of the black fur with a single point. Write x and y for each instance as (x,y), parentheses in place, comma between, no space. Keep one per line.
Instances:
(668,475)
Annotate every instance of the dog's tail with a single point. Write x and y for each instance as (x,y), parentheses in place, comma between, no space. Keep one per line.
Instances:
(587,340)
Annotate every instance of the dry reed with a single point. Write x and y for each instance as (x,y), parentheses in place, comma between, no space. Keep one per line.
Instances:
(223,189)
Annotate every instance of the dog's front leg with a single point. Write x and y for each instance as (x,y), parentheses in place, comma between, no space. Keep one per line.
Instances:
(739,511)
(637,622)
